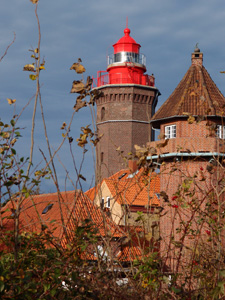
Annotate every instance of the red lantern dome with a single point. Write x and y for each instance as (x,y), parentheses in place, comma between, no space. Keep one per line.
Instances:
(126,65)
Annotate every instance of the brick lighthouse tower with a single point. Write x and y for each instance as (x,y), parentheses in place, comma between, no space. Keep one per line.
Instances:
(125,107)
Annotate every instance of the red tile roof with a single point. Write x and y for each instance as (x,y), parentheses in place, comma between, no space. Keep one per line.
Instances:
(67,210)
(136,189)
(196,94)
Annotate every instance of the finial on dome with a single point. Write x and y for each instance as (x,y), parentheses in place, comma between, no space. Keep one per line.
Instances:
(127,30)
(196,48)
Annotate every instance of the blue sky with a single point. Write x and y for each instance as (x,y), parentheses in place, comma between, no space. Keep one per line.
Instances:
(166,29)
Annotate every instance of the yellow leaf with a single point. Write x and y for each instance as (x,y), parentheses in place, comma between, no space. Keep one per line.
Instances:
(34,1)
(29,67)
(33,77)
(79,68)
(86,130)
(13,141)
(148,236)
(37,173)
(79,104)
(191,120)
(77,87)
(42,68)
(6,135)
(11,101)
(36,50)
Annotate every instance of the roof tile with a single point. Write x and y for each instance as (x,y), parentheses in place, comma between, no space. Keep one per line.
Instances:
(196,94)
(134,189)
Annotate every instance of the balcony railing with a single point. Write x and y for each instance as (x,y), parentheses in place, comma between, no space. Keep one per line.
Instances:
(119,78)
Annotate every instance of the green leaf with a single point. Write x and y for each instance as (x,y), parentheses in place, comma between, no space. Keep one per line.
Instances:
(53,292)
(177,291)
(12,122)
(46,287)
(13,151)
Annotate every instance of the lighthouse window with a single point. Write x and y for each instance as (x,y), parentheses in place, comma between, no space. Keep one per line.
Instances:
(170,132)
(126,57)
(102,113)
(220,131)
(117,57)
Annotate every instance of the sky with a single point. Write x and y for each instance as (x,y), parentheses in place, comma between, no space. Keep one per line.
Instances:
(167,30)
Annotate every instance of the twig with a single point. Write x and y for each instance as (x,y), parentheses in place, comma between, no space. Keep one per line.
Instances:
(14,38)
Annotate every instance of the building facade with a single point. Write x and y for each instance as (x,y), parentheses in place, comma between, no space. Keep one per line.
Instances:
(191,157)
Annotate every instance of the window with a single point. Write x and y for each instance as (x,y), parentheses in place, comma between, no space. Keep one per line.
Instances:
(102,204)
(220,132)
(121,176)
(108,202)
(47,208)
(102,157)
(170,131)
(102,113)
(126,57)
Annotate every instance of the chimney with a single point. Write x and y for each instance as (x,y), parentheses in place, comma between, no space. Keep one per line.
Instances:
(197,57)
(132,164)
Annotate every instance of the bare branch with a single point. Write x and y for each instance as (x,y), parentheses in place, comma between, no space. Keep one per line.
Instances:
(14,38)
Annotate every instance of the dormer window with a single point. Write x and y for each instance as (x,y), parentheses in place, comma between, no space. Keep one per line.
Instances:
(220,132)
(170,131)
(46,209)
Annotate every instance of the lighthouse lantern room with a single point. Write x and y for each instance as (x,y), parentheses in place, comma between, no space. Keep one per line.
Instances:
(126,65)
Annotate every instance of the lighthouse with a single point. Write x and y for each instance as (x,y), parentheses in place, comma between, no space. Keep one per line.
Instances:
(127,102)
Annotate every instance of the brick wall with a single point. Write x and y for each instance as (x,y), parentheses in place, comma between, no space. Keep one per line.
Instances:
(123,115)
(195,138)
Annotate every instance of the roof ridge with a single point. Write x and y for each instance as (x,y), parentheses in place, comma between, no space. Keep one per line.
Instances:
(55,193)
(206,91)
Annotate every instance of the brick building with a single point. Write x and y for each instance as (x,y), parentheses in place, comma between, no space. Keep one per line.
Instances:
(190,152)
(192,133)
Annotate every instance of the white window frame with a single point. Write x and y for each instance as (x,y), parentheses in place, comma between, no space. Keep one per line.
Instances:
(220,132)
(170,131)
(108,202)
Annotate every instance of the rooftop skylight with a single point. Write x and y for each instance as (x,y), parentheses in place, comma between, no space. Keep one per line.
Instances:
(47,208)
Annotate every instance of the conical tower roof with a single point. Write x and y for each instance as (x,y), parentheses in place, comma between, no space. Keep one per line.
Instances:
(196,94)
